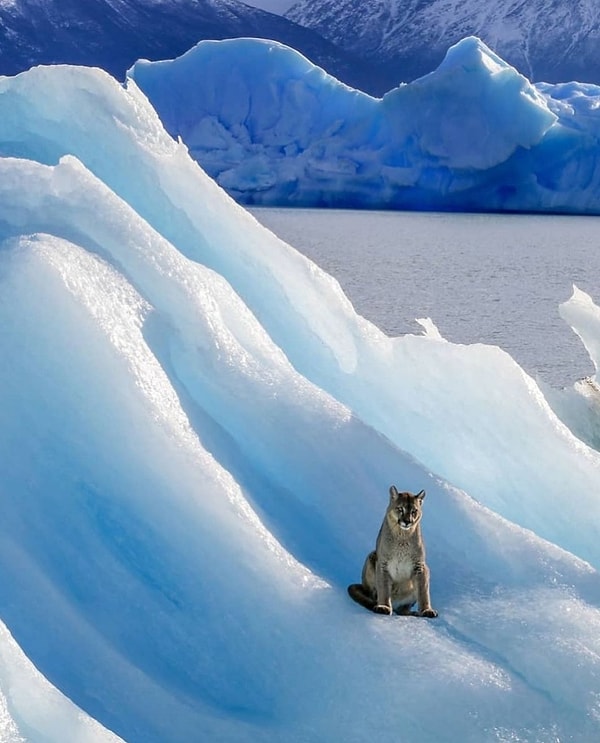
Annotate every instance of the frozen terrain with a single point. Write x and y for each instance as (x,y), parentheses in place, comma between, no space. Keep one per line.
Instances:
(273,129)
(31,709)
(197,436)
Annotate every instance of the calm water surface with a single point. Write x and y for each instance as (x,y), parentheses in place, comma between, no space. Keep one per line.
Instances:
(481,278)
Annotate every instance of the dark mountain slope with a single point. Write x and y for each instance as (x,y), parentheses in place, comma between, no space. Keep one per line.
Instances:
(113,34)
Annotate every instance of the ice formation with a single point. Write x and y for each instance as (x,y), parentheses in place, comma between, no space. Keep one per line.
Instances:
(473,135)
(197,436)
(579,406)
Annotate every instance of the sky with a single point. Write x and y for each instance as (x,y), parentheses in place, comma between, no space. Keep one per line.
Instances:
(198,434)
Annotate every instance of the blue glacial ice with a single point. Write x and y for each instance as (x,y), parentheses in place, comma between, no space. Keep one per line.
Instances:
(197,436)
(273,129)
(31,709)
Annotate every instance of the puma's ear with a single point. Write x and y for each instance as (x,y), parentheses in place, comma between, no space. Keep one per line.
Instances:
(393,492)
(420,495)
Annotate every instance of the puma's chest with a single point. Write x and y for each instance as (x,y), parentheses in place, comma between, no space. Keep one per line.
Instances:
(400,566)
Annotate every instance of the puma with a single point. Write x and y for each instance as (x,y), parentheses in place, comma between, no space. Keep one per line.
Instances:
(395,575)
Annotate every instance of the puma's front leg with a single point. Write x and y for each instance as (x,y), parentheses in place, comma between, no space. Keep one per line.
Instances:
(383,584)
(422,581)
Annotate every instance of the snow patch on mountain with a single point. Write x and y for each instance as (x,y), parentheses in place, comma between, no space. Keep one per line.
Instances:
(554,41)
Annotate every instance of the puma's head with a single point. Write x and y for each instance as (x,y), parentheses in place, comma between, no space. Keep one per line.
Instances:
(405,508)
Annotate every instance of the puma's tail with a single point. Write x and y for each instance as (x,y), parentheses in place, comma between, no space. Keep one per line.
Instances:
(357,592)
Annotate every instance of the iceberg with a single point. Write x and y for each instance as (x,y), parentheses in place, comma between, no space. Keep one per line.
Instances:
(579,405)
(273,129)
(583,316)
(198,433)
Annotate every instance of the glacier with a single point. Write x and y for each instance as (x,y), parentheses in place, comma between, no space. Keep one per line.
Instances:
(198,433)
(474,134)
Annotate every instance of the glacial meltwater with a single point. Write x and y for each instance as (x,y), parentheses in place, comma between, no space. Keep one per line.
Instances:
(489,278)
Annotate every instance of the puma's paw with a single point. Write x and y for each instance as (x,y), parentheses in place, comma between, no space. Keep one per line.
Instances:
(429,613)
(382,609)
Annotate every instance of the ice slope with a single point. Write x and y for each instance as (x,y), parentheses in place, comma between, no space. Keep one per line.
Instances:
(473,135)
(197,437)
(32,711)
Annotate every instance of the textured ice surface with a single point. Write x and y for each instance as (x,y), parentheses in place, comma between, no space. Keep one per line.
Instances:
(32,710)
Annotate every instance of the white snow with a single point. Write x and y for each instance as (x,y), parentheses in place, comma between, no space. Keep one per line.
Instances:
(197,436)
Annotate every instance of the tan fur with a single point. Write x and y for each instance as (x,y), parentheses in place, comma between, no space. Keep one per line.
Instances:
(395,575)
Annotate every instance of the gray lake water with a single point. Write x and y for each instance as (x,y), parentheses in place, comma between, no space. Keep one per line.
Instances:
(481,278)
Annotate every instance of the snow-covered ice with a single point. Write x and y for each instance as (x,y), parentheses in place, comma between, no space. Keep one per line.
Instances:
(197,436)
(273,129)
